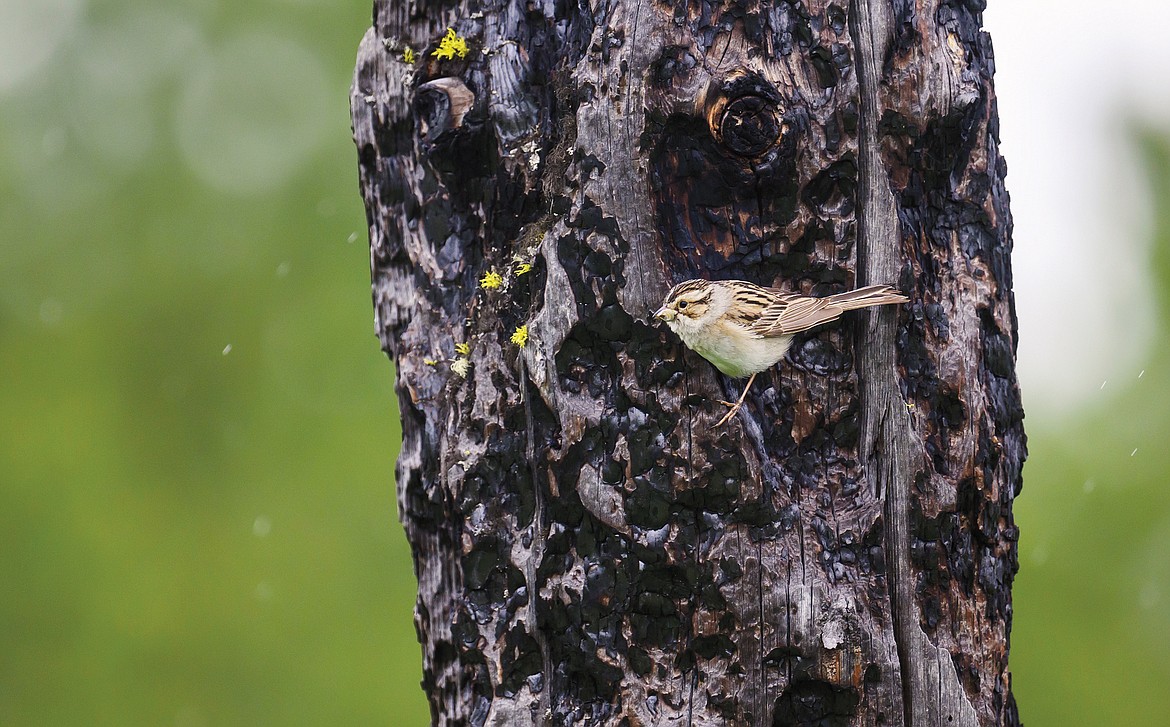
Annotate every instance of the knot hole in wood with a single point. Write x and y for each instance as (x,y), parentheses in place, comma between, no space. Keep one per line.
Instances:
(746,115)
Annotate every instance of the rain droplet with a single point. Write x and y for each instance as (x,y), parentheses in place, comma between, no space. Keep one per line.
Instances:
(261,526)
(1143,373)
(54,141)
(1040,555)
(1106,381)
(227,349)
(51,311)
(1133,452)
(352,238)
(1089,486)
(263,591)
(1149,596)
(282,269)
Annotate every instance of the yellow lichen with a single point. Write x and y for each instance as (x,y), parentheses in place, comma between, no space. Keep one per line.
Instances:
(430,362)
(523,268)
(491,280)
(520,336)
(463,349)
(408,55)
(450,46)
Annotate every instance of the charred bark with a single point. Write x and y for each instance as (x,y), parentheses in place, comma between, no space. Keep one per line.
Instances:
(589,549)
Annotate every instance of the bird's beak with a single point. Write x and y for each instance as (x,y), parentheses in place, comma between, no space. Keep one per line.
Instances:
(665,314)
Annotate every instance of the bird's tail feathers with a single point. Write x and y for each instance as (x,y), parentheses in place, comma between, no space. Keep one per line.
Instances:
(865,297)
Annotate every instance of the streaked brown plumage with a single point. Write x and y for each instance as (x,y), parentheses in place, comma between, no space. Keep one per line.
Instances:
(744,329)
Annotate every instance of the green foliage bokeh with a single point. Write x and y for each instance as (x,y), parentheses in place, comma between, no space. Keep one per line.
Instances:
(198,430)
(197,426)
(1091,640)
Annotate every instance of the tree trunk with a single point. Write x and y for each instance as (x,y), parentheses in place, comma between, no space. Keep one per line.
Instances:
(589,548)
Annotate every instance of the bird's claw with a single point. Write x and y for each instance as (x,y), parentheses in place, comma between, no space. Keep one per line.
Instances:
(729,414)
(735,407)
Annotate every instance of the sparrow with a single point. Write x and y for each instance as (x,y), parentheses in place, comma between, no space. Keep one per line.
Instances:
(744,329)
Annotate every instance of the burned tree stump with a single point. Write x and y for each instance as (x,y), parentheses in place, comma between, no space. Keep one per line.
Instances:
(589,548)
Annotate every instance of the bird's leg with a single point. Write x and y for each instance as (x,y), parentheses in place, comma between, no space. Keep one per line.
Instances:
(735,407)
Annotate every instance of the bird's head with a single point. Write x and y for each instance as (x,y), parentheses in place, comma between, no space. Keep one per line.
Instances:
(689,306)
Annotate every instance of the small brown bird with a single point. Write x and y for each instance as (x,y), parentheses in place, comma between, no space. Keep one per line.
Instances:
(744,329)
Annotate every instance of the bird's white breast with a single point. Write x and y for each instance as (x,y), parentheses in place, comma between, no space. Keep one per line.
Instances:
(733,350)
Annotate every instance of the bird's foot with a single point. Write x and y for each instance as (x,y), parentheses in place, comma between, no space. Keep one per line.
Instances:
(731,412)
(735,407)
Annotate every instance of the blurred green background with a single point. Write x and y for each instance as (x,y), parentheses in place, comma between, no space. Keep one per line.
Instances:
(197,429)
(1091,642)
(197,426)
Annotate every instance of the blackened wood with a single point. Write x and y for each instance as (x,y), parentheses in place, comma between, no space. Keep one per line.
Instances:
(590,550)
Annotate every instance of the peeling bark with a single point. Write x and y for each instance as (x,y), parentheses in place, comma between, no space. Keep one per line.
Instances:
(589,548)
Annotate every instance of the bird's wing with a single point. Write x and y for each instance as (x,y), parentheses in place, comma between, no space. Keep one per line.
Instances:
(748,303)
(791,313)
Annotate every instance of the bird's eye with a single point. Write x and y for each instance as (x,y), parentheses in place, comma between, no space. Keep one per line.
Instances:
(682,304)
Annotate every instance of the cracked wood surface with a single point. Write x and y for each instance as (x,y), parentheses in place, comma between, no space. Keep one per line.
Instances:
(589,549)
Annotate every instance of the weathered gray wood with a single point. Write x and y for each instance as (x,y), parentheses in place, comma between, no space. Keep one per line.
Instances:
(590,550)
(890,440)
(939,149)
